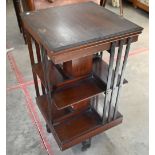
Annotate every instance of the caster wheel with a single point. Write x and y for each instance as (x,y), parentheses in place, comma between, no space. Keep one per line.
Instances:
(48,129)
(86,145)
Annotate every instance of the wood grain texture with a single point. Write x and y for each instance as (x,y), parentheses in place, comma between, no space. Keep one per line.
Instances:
(78,67)
(77,91)
(55,76)
(71,128)
(43,106)
(100,68)
(75,25)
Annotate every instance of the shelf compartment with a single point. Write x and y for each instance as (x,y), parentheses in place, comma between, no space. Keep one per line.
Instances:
(100,68)
(70,128)
(54,75)
(77,91)
(57,115)
(43,107)
(77,125)
(81,127)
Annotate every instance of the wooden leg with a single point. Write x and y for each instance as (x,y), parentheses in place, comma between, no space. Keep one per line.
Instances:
(103,3)
(48,129)
(17,7)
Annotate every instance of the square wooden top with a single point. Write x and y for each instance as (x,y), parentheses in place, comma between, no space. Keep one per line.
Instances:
(70,26)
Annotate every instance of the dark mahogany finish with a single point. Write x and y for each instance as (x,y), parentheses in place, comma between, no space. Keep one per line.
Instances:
(31,5)
(17,7)
(72,79)
(78,25)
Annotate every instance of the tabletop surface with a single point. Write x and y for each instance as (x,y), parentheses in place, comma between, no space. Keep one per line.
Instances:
(69,26)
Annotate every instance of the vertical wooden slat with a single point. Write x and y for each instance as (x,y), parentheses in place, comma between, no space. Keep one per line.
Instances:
(39,60)
(17,8)
(107,93)
(115,80)
(29,42)
(103,2)
(122,76)
(47,82)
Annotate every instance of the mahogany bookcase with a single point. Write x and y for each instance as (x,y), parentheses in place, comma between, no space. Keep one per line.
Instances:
(63,42)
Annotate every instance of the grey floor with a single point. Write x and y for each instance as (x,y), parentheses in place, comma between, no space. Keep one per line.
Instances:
(129,138)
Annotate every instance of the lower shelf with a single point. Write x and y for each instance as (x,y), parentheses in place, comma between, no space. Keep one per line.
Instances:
(56,115)
(70,130)
(80,128)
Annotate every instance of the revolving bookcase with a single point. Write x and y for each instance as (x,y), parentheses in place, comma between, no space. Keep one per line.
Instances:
(79,91)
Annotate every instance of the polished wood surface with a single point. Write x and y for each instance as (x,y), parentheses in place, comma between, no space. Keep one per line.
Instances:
(78,67)
(31,5)
(100,68)
(87,121)
(85,88)
(55,76)
(56,114)
(78,24)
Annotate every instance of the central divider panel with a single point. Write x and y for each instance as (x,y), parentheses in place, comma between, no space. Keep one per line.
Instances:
(76,68)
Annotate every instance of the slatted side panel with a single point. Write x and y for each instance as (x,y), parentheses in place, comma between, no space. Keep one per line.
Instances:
(106,104)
